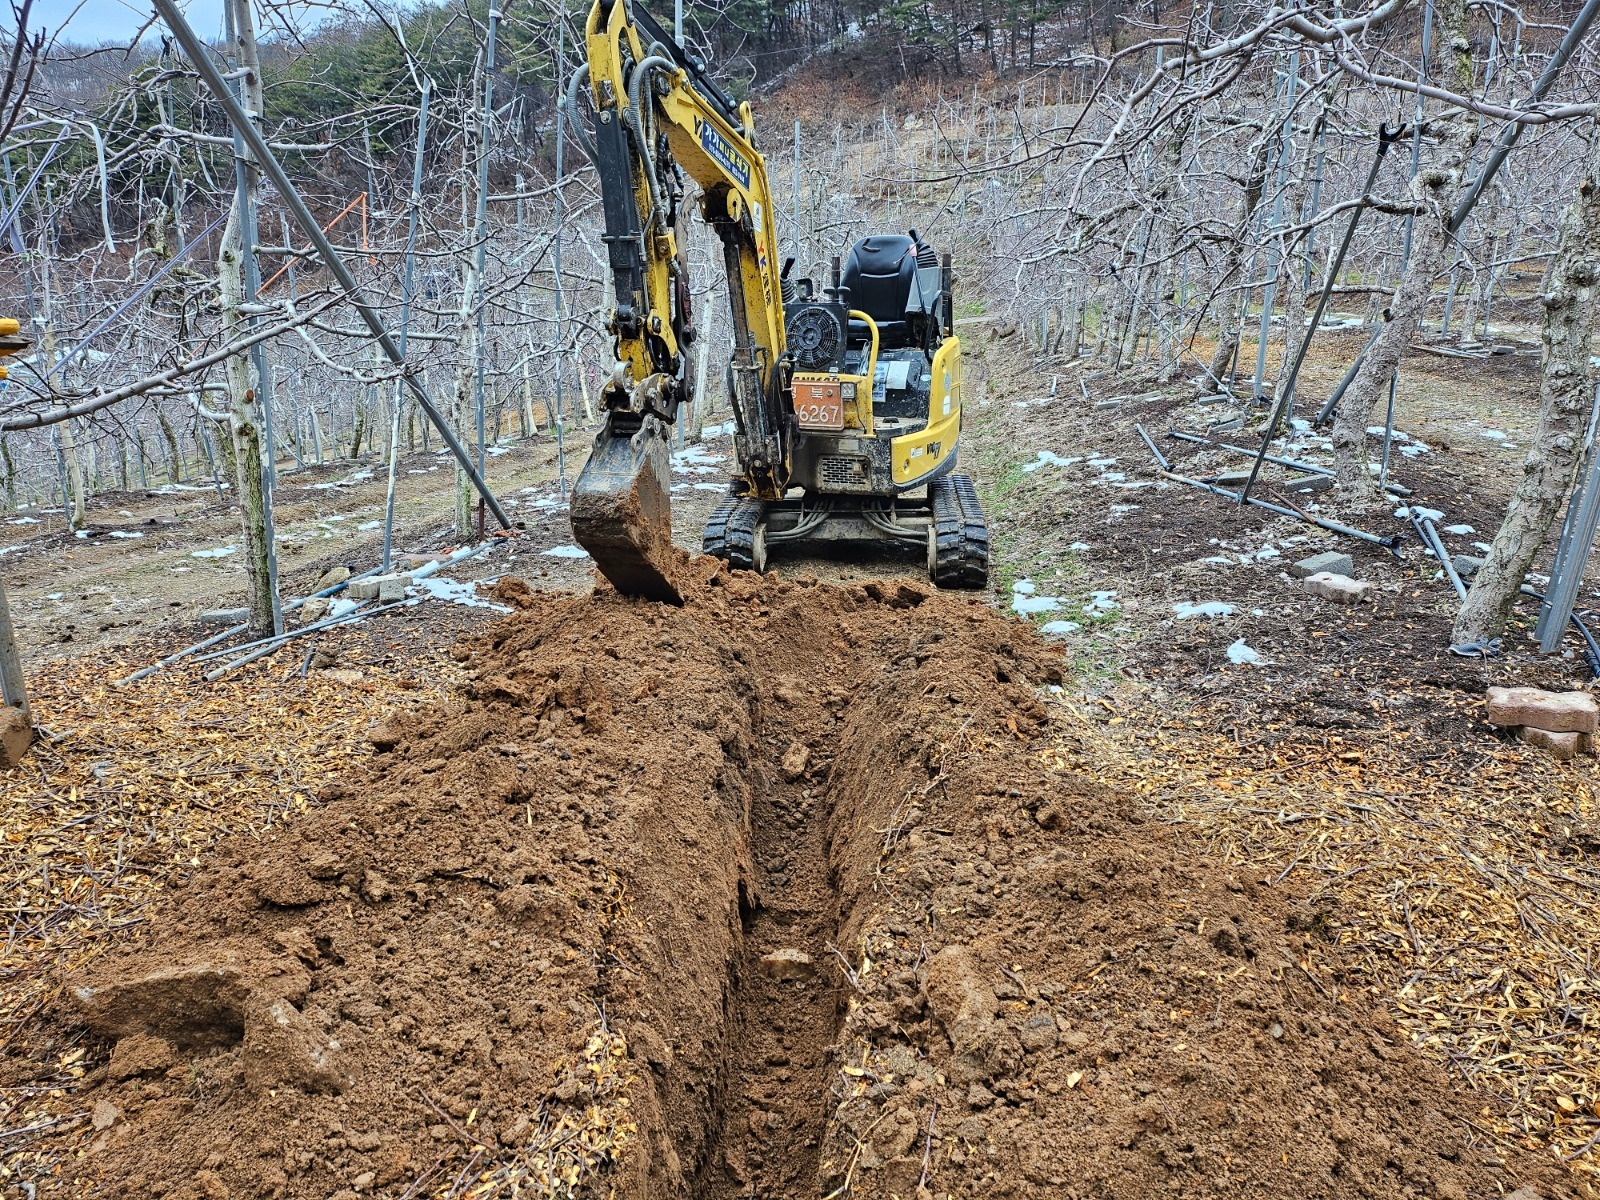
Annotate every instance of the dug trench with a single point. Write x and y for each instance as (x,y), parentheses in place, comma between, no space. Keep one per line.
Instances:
(796,890)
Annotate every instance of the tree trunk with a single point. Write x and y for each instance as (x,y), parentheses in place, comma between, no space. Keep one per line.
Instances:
(1233,264)
(175,456)
(10,474)
(13,689)
(461,395)
(75,506)
(1566,392)
(244,417)
(1436,187)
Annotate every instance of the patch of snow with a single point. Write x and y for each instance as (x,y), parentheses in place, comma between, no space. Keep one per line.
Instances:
(10,550)
(1028,605)
(1080,546)
(497,451)
(1412,449)
(55,595)
(23,521)
(566,552)
(123,533)
(1494,435)
(1048,459)
(341,605)
(1101,461)
(694,461)
(455,592)
(1265,553)
(711,432)
(219,552)
(1101,603)
(82,533)
(710,487)
(1208,608)
(1221,560)
(366,525)
(1459,530)
(1025,587)
(1481,547)
(1059,629)
(1404,512)
(1243,656)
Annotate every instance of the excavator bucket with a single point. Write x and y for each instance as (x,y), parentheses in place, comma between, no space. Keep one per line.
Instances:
(622,510)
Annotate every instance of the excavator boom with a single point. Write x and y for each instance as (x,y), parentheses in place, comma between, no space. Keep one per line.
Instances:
(657,119)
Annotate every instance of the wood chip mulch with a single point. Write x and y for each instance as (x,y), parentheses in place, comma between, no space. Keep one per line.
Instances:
(130,787)
(1462,879)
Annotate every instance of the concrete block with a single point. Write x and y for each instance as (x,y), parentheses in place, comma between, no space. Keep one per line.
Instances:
(1305,485)
(1233,479)
(1554,712)
(1330,561)
(1341,589)
(1467,565)
(385,589)
(1562,745)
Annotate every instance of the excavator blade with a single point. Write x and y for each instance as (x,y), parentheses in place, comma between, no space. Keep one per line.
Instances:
(621,507)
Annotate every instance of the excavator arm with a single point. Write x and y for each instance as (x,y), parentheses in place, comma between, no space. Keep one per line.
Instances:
(659,119)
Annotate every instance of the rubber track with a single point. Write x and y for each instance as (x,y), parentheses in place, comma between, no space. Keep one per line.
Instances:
(961,548)
(731,529)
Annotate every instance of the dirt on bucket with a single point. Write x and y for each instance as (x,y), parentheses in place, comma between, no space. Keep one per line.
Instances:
(786,892)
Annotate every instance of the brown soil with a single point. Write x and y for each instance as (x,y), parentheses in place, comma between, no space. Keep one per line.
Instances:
(538,948)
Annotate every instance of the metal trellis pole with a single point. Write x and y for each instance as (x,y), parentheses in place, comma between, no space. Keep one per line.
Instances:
(198,56)
(406,288)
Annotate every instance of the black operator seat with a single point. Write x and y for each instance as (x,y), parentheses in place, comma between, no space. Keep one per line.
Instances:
(880,273)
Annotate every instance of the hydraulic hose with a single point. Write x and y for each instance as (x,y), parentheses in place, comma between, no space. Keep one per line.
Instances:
(636,86)
(579,134)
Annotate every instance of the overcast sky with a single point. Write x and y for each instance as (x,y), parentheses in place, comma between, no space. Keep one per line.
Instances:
(92,21)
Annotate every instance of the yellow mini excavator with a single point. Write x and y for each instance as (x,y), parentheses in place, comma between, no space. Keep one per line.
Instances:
(846,404)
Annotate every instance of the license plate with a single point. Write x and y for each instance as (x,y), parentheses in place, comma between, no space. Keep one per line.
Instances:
(819,405)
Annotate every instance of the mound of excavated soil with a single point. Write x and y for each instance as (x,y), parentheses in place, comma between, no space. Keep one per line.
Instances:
(774,894)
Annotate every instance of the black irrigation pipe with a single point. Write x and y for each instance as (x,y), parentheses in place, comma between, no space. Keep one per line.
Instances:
(1391,543)
(1294,463)
(1149,441)
(1591,656)
(234,631)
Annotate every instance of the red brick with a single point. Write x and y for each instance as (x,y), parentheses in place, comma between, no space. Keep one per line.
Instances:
(1562,745)
(1557,712)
